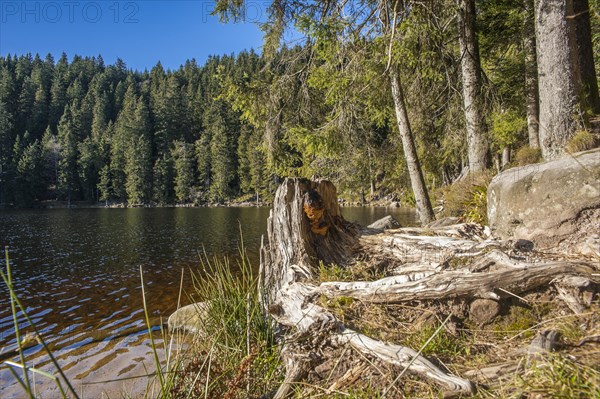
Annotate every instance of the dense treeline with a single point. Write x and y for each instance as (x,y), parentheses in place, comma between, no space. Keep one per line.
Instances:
(385,97)
(82,130)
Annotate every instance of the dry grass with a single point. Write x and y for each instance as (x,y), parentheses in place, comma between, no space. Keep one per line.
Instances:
(527,155)
(462,346)
(582,140)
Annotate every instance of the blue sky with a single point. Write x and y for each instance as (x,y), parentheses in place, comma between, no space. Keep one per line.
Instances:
(140,32)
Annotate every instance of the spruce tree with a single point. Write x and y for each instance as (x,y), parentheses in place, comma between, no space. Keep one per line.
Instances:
(183,165)
(68,183)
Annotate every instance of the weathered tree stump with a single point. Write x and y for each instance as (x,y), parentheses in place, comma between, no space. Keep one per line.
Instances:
(306,230)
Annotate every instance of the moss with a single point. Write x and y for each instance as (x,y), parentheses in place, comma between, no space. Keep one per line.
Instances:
(334,272)
(443,344)
(361,271)
(519,320)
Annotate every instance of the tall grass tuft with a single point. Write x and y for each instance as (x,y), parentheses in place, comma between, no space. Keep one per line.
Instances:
(235,355)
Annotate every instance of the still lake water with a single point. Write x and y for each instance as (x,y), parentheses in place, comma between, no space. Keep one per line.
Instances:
(77,272)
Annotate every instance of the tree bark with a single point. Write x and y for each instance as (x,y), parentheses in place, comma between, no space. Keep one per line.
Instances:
(531,78)
(505,156)
(417,181)
(588,82)
(556,76)
(477,143)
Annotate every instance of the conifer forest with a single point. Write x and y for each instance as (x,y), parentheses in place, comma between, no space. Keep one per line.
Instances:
(399,110)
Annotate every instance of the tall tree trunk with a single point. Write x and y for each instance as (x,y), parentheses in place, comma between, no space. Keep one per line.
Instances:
(505,157)
(410,152)
(531,79)
(556,76)
(588,83)
(471,79)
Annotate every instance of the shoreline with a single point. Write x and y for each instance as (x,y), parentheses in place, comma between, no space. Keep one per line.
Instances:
(244,204)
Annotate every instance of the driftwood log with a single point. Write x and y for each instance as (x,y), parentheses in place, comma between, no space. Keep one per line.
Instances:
(306,230)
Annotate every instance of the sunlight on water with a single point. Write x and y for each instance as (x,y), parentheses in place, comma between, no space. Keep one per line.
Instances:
(77,271)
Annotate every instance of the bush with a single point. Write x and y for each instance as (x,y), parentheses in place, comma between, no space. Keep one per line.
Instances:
(527,155)
(467,198)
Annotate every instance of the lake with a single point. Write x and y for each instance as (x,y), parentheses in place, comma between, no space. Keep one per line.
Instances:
(77,273)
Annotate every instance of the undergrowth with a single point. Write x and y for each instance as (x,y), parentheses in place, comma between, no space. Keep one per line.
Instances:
(581,141)
(467,198)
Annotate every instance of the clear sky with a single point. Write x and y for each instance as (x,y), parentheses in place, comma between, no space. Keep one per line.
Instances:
(140,32)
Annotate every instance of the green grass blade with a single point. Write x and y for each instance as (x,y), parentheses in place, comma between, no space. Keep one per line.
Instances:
(41,340)
(40,372)
(149,325)
(16,323)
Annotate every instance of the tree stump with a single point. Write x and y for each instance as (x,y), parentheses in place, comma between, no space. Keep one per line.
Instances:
(306,231)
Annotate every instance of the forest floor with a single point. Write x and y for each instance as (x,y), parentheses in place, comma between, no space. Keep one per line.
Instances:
(508,355)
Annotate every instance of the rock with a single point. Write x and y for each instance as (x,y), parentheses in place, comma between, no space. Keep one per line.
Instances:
(483,311)
(443,222)
(188,318)
(551,203)
(522,245)
(385,223)
(548,340)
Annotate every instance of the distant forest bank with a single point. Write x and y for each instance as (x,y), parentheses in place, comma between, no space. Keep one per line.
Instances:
(392,108)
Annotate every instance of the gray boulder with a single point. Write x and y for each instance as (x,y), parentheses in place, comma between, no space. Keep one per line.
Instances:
(387,222)
(555,204)
(188,318)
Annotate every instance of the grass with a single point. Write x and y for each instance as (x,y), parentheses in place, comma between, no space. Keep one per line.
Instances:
(360,271)
(467,198)
(581,141)
(236,354)
(555,376)
(571,371)
(527,155)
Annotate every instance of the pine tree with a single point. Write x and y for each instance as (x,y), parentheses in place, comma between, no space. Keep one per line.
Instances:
(89,163)
(30,174)
(25,104)
(203,160)
(51,154)
(138,170)
(6,142)
(58,99)
(104,185)
(222,162)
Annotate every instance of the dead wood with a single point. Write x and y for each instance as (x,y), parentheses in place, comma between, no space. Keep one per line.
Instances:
(455,283)
(306,230)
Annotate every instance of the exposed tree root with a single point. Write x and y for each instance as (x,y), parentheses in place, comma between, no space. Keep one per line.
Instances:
(306,229)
